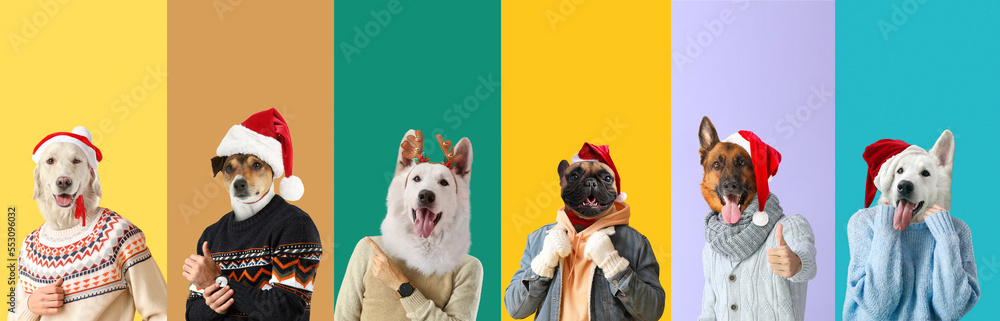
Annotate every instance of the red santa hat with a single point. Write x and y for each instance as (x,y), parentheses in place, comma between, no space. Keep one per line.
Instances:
(593,153)
(80,137)
(765,160)
(267,136)
(882,156)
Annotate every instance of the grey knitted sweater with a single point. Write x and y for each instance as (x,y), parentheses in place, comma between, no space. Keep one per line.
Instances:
(749,290)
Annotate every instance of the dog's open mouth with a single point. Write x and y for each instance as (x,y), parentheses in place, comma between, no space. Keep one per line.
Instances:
(64,200)
(424,221)
(905,210)
(731,207)
(591,201)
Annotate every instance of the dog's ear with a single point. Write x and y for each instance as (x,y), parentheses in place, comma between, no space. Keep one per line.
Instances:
(562,168)
(95,184)
(463,167)
(944,150)
(707,136)
(38,183)
(403,162)
(217,163)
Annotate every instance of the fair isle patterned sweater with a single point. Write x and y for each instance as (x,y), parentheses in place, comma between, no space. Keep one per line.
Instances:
(270,259)
(108,272)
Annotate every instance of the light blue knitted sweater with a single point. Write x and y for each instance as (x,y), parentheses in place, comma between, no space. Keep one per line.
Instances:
(927,272)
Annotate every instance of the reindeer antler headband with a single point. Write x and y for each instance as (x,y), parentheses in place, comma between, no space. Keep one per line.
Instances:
(413,148)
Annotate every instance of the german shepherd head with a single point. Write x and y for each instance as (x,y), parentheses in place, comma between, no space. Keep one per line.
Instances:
(729,179)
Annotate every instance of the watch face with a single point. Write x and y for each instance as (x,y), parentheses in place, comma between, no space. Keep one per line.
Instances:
(405,290)
(221,281)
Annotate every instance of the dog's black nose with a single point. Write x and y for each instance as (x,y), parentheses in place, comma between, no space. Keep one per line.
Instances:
(64,182)
(240,185)
(730,185)
(905,188)
(426,197)
(590,182)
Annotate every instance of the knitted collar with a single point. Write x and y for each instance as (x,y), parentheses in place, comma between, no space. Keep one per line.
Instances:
(740,240)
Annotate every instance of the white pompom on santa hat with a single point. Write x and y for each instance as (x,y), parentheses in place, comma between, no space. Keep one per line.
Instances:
(267,136)
(593,153)
(765,160)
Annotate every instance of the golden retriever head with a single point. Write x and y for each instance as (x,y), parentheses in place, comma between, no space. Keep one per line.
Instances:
(62,175)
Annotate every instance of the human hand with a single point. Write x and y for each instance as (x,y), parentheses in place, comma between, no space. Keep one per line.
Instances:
(384,269)
(201,270)
(47,300)
(784,262)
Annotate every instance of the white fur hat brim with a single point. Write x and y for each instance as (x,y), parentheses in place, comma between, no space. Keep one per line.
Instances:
(242,140)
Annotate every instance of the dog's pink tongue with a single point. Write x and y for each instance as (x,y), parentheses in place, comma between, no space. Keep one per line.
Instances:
(731,211)
(64,199)
(424,223)
(903,215)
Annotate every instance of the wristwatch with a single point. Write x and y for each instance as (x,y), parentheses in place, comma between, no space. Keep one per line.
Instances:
(405,290)
(222,281)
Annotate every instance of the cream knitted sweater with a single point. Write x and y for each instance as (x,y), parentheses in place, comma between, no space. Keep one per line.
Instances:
(452,296)
(108,272)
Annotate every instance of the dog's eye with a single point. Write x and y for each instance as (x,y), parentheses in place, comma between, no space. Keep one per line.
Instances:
(229,169)
(256,165)
(416,178)
(607,178)
(741,162)
(50,161)
(76,161)
(443,182)
(717,165)
(925,173)
(899,171)
(573,176)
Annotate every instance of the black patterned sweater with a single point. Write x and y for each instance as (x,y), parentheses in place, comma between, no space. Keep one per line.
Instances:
(270,259)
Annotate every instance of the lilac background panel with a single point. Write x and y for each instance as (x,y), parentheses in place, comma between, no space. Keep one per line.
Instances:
(767,67)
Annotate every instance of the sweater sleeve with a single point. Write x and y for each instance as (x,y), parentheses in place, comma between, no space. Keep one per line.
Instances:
(293,270)
(708,293)
(463,303)
(352,287)
(527,290)
(954,282)
(197,309)
(798,234)
(146,283)
(639,289)
(874,276)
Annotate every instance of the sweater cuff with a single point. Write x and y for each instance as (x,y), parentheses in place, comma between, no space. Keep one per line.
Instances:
(413,302)
(940,225)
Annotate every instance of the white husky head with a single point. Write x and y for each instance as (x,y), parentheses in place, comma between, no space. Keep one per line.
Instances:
(427,224)
(919,179)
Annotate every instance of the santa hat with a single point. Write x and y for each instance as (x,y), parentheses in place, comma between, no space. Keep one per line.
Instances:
(882,157)
(765,160)
(266,135)
(593,153)
(80,137)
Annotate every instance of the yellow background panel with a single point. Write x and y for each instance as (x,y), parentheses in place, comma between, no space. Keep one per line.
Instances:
(584,71)
(97,64)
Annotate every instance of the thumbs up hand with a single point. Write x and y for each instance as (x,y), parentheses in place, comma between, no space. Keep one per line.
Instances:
(784,262)
(47,300)
(201,270)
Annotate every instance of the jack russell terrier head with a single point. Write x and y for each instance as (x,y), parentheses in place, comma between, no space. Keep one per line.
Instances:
(249,180)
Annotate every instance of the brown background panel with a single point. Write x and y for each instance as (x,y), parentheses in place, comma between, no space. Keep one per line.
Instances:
(224,68)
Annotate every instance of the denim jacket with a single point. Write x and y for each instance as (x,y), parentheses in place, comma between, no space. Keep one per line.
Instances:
(633,294)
